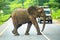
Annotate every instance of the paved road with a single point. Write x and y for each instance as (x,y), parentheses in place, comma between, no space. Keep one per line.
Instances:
(51,32)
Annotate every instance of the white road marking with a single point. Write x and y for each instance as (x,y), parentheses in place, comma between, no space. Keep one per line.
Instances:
(1,33)
(45,36)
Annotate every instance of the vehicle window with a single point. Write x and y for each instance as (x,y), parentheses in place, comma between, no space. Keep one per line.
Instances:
(47,12)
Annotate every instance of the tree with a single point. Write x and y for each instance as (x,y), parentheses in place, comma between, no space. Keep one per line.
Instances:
(41,2)
(29,3)
(4,4)
(58,1)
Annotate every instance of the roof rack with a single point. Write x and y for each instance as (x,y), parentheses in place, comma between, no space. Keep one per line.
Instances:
(45,6)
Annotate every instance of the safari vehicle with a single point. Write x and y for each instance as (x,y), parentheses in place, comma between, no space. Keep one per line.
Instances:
(48,15)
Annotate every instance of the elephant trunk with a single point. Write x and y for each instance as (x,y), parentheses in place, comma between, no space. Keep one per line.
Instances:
(44,18)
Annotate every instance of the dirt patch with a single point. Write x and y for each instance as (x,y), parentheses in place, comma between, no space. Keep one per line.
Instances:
(56,22)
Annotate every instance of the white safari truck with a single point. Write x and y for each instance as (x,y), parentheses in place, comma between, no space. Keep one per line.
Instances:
(48,13)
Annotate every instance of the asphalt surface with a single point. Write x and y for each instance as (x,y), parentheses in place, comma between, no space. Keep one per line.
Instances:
(51,32)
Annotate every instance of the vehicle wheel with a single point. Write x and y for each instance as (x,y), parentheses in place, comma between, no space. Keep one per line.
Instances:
(40,21)
(50,21)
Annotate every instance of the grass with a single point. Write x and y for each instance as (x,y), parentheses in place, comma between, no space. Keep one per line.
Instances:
(4,18)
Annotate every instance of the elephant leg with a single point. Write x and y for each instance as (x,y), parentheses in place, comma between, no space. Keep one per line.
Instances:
(33,20)
(37,28)
(28,28)
(16,26)
(15,32)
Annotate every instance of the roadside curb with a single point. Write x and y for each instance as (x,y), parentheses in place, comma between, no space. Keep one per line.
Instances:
(56,22)
(3,28)
(3,31)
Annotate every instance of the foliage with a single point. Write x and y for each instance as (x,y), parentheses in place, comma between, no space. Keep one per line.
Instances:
(52,4)
(25,4)
(4,18)
(57,1)
(29,3)
(15,5)
(9,5)
(41,2)
(56,14)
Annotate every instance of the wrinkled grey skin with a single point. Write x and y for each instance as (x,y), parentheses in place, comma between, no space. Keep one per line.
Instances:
(22,16)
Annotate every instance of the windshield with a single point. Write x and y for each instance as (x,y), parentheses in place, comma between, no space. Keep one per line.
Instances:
(47,12)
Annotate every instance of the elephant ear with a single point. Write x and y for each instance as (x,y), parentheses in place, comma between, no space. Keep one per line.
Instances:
(40,9)
(31,10)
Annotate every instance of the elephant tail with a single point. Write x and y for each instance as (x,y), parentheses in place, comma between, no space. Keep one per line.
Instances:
(8,18)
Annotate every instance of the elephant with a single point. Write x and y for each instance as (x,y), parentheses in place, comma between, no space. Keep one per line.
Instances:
(21,16)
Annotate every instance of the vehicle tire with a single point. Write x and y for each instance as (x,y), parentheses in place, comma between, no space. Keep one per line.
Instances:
(51,21)
(40,21)
(48,21)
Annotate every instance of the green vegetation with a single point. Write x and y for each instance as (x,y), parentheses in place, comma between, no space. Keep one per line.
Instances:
(4,18)
(7,6)
(56,14)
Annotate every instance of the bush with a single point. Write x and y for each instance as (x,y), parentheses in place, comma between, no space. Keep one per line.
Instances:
(56,15)
(4,18)
(52,4)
